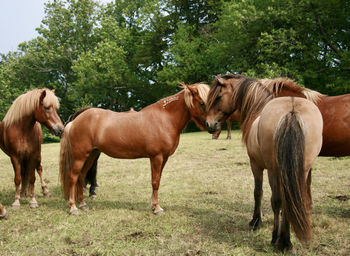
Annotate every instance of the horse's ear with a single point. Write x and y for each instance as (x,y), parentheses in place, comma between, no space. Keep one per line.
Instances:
(42,96)
(193,90)
(53,90)
(220,80)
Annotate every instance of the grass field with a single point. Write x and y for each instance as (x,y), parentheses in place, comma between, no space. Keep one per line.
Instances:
(207,194)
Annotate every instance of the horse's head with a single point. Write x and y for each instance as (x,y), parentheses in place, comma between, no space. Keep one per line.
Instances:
(46,112)
(196,98)
(220,105)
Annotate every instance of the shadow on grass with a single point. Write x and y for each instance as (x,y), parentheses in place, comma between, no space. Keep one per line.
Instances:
(229,224)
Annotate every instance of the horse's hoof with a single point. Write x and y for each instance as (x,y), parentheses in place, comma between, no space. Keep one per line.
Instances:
(255,223)
(93,197)
(47,193)
(33,205)
(84,207)
(5,216)
(74,212)
(16,206)
(159,211)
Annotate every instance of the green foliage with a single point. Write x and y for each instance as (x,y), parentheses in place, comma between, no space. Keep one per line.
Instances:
(132,53)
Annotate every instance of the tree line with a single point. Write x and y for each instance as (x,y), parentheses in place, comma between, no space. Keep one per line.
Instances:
(132,53)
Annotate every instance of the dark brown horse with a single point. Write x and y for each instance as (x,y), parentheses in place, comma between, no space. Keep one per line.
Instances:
(282,135)
(153,132)
(232,118)
(21,136)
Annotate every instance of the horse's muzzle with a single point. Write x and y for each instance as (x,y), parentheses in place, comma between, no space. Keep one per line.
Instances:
(213,127)
(57,130)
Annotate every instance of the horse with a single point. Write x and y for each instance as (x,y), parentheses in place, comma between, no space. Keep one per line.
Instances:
(3,213)
(91,174)
(232,118)
(21,137)
(335,111)
(153,133)
(282,135)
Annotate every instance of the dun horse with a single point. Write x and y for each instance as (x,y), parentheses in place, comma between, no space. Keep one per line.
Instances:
(335,111)
(153,132)
(234,117)
(282,135)
(21,136)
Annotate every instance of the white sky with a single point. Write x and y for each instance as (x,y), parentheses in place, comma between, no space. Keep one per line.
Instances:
(18,20)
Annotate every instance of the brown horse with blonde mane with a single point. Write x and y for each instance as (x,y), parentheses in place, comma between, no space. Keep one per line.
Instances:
(21,136)
(153,132)
(282,135)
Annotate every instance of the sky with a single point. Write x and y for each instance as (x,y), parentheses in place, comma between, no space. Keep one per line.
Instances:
(18,21)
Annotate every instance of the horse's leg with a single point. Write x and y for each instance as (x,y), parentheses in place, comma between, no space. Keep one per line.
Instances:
(94,185)
(18,179)
(80,190)
(228,122)
(31,168)
(74,176)
(276,204)
(283,242)
(44,188)
(157,165)
(258,192)
(308,192)
(3,213)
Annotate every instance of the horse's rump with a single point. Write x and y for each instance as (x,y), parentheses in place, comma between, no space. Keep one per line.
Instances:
(290,137)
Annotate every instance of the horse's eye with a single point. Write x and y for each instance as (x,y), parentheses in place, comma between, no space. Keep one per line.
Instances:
(47,108)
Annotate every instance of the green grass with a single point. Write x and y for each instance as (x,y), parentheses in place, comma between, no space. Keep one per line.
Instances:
(207,194)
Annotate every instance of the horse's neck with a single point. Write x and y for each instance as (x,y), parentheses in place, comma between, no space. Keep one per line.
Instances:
(176,110)
(26,123)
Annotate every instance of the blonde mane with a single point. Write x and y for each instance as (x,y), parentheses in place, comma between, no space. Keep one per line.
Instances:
(275,86)
(27,103)
(203,90)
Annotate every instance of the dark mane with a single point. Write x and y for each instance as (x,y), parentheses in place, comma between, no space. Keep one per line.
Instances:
(248,94)
(215,87)
(78,112)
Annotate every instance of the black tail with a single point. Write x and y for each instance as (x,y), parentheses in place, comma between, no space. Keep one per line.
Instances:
(290,145)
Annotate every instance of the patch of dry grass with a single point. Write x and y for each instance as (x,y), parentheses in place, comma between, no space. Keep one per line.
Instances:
(206,192)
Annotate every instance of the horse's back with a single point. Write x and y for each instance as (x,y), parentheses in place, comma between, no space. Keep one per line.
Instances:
(311,122)
(335,111)
(118,134)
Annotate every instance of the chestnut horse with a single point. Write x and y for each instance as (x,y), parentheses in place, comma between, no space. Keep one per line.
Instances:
(91,174)
(232,118)
(153,132)
(21,136)
(282,135)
